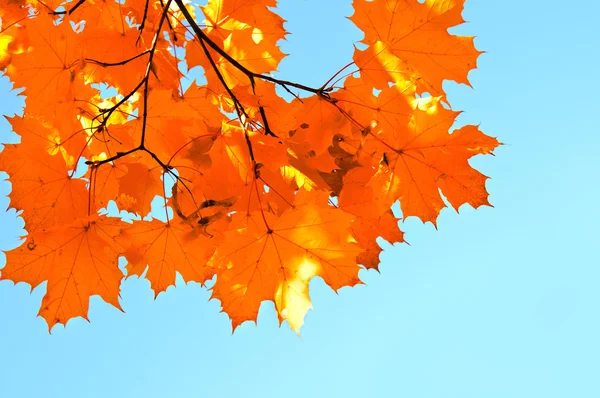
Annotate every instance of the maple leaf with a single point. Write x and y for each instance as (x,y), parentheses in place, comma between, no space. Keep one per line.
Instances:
(260,190)
(369,223)
(166,248)
(268,258)
(42,180)
(138,186)
(78,261)
(415,36)
(45,62)
(427,159)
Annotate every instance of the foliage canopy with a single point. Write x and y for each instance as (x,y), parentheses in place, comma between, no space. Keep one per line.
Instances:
(263,190)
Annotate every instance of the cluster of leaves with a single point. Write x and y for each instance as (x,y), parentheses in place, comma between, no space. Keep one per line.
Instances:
(267,192)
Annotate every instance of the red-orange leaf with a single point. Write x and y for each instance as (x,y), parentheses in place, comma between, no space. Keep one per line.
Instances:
(416,33)
(45,62)
(167,248)
(42,179)
(428,158)
(268,258)
(79,260)
(370,223)
(140,183)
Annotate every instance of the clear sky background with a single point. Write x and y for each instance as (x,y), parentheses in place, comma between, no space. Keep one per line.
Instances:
(499,302)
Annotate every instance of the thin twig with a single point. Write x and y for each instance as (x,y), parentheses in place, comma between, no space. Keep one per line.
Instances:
(120,63)
(67,12)
(148,69)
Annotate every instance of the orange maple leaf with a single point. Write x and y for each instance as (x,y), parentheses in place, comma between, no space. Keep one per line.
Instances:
(78,260)
(42,180)
(166,248)
(411,38)
(46,63)
(426,159)
(274,258)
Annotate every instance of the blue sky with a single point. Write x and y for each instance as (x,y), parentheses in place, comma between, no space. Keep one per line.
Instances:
(498,302)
